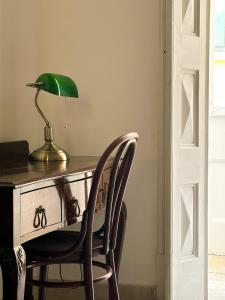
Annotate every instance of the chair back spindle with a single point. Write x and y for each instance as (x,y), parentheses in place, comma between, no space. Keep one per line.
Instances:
(125,146)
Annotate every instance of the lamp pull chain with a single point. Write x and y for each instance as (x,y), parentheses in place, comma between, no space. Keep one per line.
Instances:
(65,124)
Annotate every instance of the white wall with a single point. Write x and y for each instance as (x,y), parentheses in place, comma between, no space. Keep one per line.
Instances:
(113,50)
(216,185)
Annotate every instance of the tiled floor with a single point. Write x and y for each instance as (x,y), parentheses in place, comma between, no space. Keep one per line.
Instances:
(216,284)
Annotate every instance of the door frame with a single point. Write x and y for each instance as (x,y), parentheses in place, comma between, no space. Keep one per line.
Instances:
(168,172)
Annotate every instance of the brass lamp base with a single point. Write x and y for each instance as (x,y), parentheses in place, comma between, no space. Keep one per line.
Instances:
(49,152)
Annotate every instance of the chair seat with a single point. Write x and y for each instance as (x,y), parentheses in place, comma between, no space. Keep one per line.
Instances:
(57,242)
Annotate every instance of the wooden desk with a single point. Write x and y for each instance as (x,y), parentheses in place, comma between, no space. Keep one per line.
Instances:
(24,187)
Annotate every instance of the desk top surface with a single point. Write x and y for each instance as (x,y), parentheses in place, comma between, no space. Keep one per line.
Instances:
(16,175)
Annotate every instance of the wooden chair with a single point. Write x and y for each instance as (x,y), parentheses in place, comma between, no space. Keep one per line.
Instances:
(60,247)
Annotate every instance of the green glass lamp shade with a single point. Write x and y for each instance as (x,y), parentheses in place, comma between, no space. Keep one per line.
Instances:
(57,84)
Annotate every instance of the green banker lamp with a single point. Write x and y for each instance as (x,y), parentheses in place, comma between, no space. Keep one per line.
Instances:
(59,85)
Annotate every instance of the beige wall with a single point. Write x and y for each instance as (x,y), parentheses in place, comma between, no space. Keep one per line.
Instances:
(19,50)
(113,50)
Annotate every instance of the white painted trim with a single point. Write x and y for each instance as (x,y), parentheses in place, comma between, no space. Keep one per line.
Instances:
(207,103)
(168,147)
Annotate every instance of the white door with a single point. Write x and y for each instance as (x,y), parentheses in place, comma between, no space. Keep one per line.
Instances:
(188,148)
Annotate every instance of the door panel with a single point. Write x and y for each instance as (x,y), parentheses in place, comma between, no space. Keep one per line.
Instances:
(188,148)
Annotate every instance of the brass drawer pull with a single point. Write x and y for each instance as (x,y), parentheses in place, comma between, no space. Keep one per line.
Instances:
(40,221)
(76,207)
(102,193)
(43,219)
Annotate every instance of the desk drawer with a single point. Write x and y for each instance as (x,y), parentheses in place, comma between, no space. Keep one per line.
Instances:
(75,194)
(49,199)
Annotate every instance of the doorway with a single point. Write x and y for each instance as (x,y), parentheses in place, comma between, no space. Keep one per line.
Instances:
(216,163)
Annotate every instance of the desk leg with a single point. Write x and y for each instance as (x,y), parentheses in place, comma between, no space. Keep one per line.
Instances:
(13,263)
(120,238)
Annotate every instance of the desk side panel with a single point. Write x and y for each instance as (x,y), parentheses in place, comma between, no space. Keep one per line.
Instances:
(9,217)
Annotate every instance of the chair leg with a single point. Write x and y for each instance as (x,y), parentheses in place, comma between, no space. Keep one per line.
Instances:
(28,288)
(112,281)
(120,238)
(42,276)
(88,279)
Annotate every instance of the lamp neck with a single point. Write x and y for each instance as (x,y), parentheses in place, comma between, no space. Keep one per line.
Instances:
(38,108)
(48,131)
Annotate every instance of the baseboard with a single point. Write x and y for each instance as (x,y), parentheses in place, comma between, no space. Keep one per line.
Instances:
(127,292)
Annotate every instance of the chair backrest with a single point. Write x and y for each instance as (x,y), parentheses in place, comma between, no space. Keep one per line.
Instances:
(123,149)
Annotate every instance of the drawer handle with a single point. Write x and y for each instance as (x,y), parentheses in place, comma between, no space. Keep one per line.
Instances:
(103,192)
(43,219)
(40,221)
(76,207)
